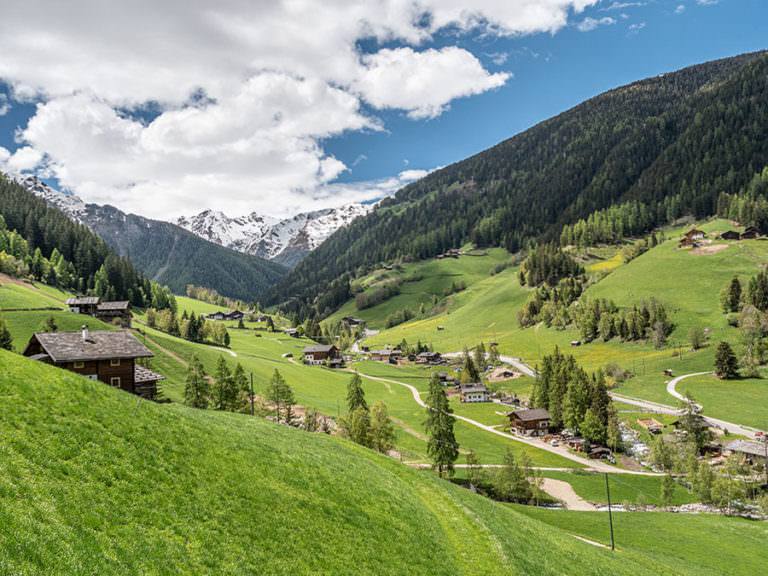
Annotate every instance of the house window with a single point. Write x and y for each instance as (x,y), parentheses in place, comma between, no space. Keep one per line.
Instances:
(115,381)
(114,362)
(79,364)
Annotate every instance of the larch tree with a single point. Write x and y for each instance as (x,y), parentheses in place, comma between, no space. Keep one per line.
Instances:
(197,387)
(356,394)
(382,431)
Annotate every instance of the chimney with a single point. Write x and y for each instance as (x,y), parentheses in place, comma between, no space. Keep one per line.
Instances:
(86,336)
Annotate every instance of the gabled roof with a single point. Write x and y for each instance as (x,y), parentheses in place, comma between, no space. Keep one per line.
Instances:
(101,345)
(747,447)
(319,348)
(121,305)
(82,301)
(428,354)
(469,387)
(530,415)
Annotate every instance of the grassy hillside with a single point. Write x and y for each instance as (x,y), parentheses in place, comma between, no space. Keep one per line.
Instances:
(702,544)
(169,490)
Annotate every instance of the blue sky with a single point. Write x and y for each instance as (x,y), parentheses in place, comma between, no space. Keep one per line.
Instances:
(294,127)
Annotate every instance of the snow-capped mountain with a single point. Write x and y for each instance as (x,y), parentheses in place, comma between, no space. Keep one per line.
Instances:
(71,205)
(285,241)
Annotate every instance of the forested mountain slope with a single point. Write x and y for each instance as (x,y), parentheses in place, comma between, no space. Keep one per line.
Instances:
(673,143)
(166,253)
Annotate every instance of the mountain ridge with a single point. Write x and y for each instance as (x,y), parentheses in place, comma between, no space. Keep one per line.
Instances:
(670,144)
(285,241)
(148,243)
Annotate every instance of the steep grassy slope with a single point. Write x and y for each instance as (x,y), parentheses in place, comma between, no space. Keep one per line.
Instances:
(90,486)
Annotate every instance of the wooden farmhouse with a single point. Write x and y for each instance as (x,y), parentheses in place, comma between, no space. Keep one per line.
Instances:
(428,358)
(353,322)
(225,315)
(315,355)
(110,311)
(474,392)
(534,422)
(390,356)
(108,356)
(730,235)
(694,235)
(750,233)
(752,451)
(83,305)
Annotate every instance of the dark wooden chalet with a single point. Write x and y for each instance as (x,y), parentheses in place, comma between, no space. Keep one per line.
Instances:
(391,356)
(730,235)
(108,356)
(109,311)
(534,422)
(693,235)
(320,354)
(83,304)
(225,315)
(428,358)
(353,322)
(750,233)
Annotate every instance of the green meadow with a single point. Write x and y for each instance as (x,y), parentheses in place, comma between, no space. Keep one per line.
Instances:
(679,543)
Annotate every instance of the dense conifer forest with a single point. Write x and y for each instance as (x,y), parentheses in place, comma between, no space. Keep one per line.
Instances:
(39,241)
(629,160)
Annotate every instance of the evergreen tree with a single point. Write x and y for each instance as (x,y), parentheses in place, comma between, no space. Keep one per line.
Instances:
(237,394)
(197,387)
(734,294)
(592,428)
(223,378)
(281,394)
(356,394)
(479,357)
(6,341)
(442,447)
(469,372)
(382,431)
(356,426)
(726,365)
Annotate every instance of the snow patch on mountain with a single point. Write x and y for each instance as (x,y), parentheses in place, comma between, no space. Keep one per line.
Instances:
(285,241)
(71,205)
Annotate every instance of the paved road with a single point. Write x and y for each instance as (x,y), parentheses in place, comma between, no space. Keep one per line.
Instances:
(595,465)
(516,362)
(658,408)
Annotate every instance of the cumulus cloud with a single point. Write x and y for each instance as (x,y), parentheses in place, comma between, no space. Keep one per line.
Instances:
(423,82)
(589,24)
(276,79)
(5,105)
(680,9)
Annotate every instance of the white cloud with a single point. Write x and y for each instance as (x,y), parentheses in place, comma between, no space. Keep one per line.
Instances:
(680,9)
(707,2)
(589,24)
(4,105)
(623,5)
(635,28)
(423,82)
(24,159)
(278,78)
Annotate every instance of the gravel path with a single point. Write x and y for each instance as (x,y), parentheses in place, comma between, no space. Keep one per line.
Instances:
(562,491)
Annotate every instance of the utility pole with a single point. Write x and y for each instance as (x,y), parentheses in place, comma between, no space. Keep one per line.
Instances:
(253,413)
(610,516)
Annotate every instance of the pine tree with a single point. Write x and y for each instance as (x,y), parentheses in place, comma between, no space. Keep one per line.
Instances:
(356,426)
(356,394)
(281,394)
(382,431)
(726,365)
(6,341)
(442,447)
(50,324)
(197,387)
(511,483)
(237,395)
(734,294)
